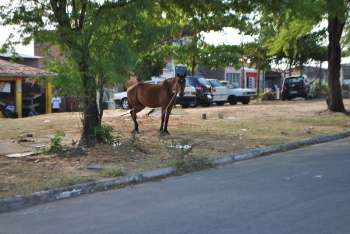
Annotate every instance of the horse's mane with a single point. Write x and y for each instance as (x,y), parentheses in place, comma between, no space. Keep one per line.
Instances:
(168,83)
(132,80)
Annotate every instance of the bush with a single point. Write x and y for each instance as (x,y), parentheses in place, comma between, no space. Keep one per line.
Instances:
(315,87)
(55,145)
(267,96)
(104,134)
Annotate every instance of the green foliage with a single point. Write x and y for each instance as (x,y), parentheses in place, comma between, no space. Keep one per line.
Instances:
(267,96)
(219,56)
(346,40)
(315,89)
(67,81)
(256,54)
(149,65)
(104,134)
(293,36)
(207,55)
(55,145)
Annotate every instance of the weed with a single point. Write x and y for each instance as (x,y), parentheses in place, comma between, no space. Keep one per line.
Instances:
(104,134)
(266,96)
(189,165)
(112,172)
(55,145)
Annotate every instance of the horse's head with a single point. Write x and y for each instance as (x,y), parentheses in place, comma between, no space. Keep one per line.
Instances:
(181,72)
(180,85)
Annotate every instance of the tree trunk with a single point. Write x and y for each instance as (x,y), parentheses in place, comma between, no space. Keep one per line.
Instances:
(194,64)
(243,74)
(320,81)
(91,113)
(335,99)
(101,94)
(290,67)
(258,81)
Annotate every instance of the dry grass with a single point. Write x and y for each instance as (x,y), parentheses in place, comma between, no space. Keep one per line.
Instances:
(243,127)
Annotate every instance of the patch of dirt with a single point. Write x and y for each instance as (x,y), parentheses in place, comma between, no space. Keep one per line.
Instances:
(227,129)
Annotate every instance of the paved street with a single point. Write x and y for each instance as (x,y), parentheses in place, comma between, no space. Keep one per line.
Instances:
(302,191)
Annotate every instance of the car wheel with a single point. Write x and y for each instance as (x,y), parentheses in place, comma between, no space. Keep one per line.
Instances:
(220,103)
(232,100)
(125,103)
(245,101)
(194,104)
(185,105)
(205,103)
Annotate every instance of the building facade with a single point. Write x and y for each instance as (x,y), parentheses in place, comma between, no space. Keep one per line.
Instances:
(244,77)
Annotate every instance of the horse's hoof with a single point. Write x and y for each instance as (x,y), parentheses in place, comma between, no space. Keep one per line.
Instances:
(165,132)
(135,132)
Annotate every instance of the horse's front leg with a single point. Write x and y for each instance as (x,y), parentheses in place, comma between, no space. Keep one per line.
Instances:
(167,114)
(133,112)
(136,125)
(162,121)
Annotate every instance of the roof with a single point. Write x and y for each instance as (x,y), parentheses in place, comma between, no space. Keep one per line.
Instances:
(19,55)
(9,69)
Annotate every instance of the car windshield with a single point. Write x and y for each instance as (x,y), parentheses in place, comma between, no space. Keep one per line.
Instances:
(189,83)
(204,82)
(294,80)
(215,83)
(232,86)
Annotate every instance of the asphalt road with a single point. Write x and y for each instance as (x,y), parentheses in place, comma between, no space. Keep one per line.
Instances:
(302,191)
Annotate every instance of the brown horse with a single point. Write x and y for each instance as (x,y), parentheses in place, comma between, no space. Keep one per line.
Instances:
(162,95)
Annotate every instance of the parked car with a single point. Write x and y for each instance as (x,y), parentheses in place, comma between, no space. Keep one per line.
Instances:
(293,87)
(189,98)
(242,95)
(202,86)
(220,92)
(121,98)
(224,82)
(227,93)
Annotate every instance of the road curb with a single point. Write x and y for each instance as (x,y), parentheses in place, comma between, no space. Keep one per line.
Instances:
(20,202)
(253,153)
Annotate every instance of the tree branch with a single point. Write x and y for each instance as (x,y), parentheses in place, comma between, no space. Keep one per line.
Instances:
(75,14)
(82,15)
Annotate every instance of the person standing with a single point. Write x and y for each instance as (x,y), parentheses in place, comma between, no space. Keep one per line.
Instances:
(56,104)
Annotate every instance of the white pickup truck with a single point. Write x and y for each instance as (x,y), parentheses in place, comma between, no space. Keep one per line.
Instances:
(224,93)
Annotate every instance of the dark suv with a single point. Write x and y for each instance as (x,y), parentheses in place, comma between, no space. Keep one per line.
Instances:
(203,89)
(293,87)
